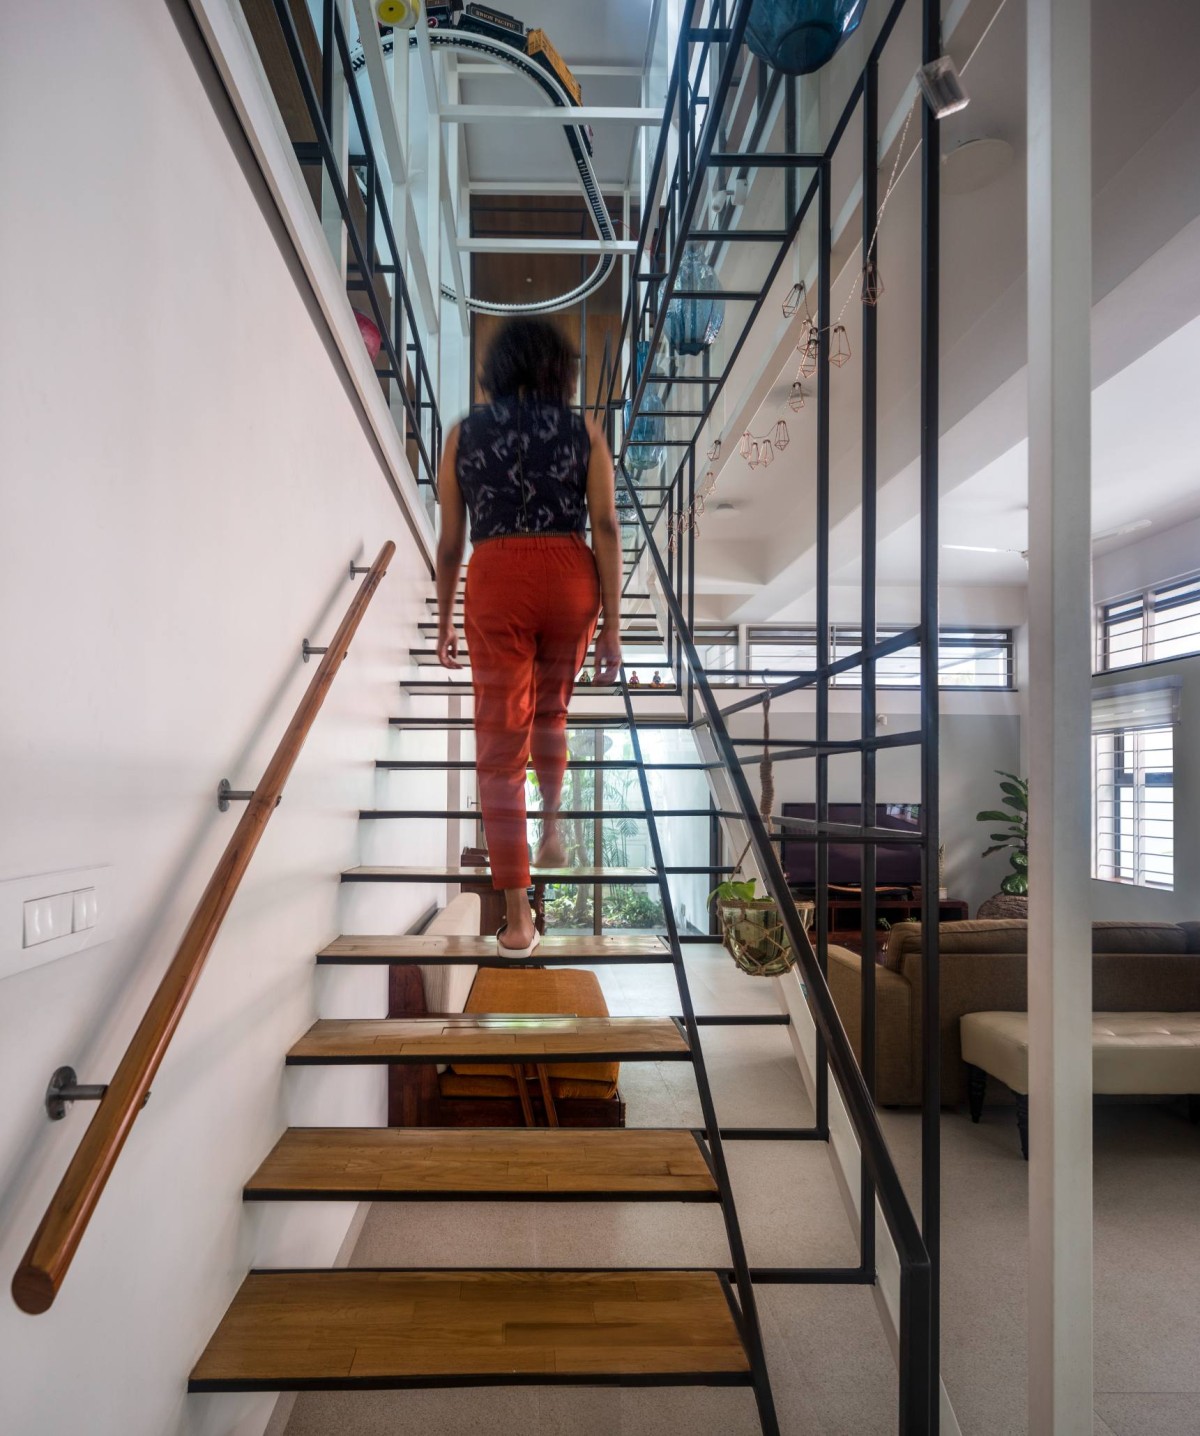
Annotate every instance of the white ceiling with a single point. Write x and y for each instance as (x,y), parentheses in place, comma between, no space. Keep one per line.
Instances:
(1146,133)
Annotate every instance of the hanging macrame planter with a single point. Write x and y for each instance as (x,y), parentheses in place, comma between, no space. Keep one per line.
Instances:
(752,931)
(754,936)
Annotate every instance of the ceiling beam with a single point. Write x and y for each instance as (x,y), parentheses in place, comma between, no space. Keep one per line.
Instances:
(393,148)
(526,245)
(442,179)
(482,67)
(529,186)
(553,114)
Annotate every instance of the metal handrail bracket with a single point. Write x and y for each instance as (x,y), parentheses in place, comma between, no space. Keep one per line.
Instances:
(46,1262)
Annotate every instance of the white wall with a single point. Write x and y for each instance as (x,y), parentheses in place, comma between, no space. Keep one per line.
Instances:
(184,480)
(1159,557)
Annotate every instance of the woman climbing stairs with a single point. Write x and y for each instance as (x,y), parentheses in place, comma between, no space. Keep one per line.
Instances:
(395,1328)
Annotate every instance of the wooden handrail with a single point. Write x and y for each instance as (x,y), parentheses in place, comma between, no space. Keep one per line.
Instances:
(45,1264)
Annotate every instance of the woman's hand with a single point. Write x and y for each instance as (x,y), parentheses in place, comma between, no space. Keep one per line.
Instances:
(608,655)
(447,646)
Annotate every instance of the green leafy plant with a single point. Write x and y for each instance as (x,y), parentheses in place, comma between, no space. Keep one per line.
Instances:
(630,906)
(1014,839)
(733,892)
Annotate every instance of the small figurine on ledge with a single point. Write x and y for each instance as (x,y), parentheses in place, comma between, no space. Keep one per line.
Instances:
(634,680)
(584,677)
(656,681)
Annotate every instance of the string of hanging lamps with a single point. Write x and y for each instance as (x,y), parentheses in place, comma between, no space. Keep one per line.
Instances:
(759,451)
(868,280)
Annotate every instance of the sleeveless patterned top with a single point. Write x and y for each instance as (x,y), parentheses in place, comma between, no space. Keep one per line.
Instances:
(522,467)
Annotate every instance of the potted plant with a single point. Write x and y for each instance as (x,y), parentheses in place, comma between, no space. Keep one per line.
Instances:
(1013,839)
(751,930)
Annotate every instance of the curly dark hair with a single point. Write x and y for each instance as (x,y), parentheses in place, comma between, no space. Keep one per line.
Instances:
(531,358)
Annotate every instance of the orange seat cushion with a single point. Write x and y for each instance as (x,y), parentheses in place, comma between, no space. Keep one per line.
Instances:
(565,991)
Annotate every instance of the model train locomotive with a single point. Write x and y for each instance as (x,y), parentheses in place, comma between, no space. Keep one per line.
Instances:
(499,25)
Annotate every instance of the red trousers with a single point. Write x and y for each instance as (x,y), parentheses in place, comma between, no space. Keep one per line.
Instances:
(531,609)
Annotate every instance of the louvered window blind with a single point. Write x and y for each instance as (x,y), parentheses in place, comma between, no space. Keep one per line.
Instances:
(1133,740)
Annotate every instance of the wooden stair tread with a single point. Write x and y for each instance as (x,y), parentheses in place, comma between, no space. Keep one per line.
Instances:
(456,872)
(342,1329)
(488,1037)
(406,1163)
(450,949)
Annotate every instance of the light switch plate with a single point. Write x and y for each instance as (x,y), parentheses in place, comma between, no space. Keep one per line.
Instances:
(84,908)
(47,918)
(50,915)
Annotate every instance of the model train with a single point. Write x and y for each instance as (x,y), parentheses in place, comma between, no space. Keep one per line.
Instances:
(499,25)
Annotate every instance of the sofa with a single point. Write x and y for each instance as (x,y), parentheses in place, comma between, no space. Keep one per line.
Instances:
(1137,967)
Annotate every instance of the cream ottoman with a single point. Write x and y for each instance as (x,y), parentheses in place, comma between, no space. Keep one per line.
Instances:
(1136,1053)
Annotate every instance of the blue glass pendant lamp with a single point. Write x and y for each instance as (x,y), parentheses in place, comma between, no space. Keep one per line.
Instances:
(799,36)
(693,324)
(647,437)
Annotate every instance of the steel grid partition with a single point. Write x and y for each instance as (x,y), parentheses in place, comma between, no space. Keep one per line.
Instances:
(674,199)
(396,322)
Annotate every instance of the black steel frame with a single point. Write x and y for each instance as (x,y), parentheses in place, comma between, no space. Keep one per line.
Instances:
(655,269)
(399,330)
(745,1308)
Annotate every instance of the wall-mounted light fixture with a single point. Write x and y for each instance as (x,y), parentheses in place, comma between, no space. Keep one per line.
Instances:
(942,87)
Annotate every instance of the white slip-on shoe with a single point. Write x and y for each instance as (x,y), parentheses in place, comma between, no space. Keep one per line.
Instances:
(517,952)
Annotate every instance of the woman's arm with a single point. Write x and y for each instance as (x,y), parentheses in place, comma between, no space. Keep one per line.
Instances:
(606,544)
(451,543)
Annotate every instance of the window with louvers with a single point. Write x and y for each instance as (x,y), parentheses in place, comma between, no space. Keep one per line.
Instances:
(1133,773)
(718,650)
(1135,807)
(1161,622)
(967,657)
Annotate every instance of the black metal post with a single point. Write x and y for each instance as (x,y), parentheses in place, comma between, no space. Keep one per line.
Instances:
(931,1094)
(716,1151)
(691,584)
(867,615)
(825,227)
(917,1388)
(328,50)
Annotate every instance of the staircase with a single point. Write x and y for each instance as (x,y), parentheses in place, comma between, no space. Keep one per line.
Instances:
(353,1328)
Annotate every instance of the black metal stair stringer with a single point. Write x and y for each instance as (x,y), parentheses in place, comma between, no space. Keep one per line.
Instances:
(742,1279)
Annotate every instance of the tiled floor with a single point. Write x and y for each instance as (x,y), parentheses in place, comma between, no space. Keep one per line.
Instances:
(1147,1267)
(831,1370)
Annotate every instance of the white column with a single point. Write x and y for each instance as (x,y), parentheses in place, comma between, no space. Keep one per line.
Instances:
(1060,958)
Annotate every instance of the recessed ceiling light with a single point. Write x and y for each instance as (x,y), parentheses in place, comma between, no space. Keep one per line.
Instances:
(974,165)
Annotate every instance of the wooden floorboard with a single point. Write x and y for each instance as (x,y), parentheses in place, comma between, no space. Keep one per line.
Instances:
(380,1329)
(422,1163)
(486,1037)
(449,950)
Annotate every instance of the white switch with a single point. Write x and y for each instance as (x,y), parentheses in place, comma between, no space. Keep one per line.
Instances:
(84,915)
(48,917)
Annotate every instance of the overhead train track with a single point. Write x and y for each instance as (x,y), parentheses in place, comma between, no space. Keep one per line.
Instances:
(467,42)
